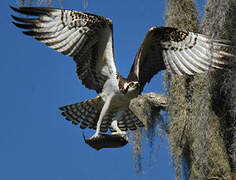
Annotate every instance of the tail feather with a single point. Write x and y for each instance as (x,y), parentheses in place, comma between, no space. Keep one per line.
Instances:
(129,121)
(70,116)
(85,113)
(122,125)
(106,122)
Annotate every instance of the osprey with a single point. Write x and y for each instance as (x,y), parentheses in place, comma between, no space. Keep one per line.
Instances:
(88,39)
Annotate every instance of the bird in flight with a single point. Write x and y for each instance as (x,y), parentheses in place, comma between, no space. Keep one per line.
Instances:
(88,39)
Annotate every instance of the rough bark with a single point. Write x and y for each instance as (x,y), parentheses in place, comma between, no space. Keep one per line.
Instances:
(181,14)
(222,25)
(201,107)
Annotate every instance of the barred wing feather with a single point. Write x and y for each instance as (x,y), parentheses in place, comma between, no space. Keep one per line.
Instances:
(179,52)
(85,37)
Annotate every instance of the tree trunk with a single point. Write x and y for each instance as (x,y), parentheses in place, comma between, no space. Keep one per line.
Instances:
(200,106)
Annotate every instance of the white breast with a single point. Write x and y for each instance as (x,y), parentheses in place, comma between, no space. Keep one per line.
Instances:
(118,99)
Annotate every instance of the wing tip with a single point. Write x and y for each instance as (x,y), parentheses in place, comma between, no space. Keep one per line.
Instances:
(32,11)
(24,26)
(62,108)
(13,8)
(24,20)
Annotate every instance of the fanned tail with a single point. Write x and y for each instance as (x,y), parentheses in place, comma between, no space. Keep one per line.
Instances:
(129,121)
(85,113)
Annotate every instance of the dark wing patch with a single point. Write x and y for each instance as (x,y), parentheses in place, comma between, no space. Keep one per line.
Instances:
(72,33)
(148,60)
(86,62)
(180,52)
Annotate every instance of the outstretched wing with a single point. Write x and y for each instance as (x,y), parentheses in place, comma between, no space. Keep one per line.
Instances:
(180,52)
(85,37)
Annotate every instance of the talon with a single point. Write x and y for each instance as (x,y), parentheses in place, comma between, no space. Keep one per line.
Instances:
(94,136)
(121,133)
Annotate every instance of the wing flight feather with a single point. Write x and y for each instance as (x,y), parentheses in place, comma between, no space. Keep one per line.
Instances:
(85,37)
(179,52)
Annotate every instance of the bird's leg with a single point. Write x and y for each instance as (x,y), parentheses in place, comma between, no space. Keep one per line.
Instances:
(114,123)
(101,116)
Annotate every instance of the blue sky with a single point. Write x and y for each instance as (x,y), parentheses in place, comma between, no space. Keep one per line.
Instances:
(36,142)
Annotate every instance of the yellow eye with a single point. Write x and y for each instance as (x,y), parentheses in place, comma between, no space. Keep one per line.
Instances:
(131,84)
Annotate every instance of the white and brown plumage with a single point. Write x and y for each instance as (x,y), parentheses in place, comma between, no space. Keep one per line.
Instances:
(88,38)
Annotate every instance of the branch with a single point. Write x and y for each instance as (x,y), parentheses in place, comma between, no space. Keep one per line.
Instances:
(148,105)
(147,108)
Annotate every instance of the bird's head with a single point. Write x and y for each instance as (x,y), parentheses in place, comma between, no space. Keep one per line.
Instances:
(133,86)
